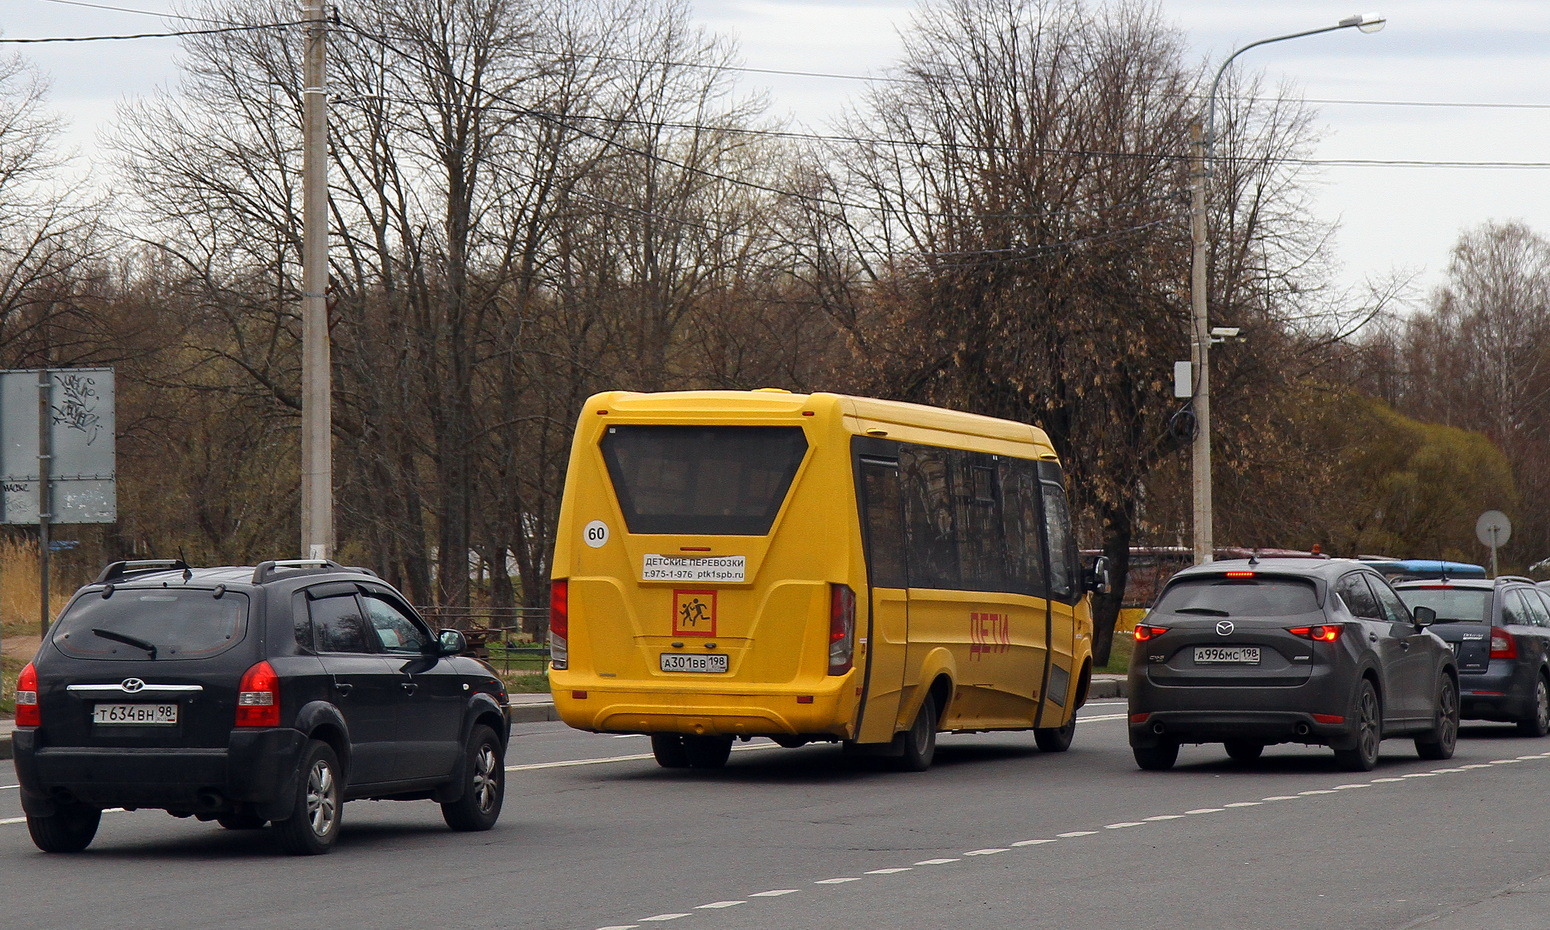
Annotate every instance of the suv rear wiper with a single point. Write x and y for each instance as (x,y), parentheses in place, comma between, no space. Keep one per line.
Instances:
(1208,611)
(126,639)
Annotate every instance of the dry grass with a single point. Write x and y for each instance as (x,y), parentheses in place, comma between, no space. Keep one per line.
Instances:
(19,601)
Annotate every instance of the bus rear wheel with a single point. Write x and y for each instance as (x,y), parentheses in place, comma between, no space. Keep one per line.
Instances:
(669,750)
(1056,739)
(919,740)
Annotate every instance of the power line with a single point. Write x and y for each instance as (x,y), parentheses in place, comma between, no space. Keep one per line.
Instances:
(153,35)
(120,9)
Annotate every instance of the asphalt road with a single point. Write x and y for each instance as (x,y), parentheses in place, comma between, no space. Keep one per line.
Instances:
(996,835)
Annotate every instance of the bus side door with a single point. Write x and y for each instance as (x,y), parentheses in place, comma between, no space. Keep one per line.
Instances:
(883,538)
(1065,592)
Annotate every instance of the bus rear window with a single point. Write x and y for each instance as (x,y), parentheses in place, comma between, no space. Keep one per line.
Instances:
(702,480)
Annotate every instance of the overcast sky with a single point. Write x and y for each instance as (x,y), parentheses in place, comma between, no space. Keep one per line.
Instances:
(1491,53)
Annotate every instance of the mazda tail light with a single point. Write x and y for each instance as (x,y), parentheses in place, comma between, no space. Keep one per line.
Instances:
(28,713)
(842,628)
(559,624)
(1145,631)
(1322,633)
(258,697)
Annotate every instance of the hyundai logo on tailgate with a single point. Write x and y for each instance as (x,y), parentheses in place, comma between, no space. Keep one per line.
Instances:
(134,684)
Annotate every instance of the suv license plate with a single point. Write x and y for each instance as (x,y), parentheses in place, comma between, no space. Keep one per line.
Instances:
(1231,655)
(684,662)
(135,715)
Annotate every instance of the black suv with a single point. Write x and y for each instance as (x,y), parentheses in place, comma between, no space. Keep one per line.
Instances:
(249,696)
(1500,629)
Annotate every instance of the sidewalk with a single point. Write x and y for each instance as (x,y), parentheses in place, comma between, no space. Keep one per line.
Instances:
(534,708)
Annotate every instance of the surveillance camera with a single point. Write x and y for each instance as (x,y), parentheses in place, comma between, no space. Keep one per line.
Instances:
(1224,332)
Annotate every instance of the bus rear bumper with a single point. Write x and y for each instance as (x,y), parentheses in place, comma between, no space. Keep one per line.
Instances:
(812,714)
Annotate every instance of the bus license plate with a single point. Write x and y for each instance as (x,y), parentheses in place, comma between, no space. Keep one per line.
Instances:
(685,662)
(135,715)
(1228,655)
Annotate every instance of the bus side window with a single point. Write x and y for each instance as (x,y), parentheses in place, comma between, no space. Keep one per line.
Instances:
(932,539)
(1062,546)
(1022,526)
(979,522)
(883,512)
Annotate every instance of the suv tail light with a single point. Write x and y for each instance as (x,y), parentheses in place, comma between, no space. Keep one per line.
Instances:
(258,697)
(559,624)
(28,713)
(1145,631)
(1323,633)
(1503,644)
(842,628)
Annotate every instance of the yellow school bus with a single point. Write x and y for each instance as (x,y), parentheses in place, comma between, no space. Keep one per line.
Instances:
(814,567)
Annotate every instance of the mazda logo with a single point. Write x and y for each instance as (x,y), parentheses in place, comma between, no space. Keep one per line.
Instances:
(132,685)
(1224,628)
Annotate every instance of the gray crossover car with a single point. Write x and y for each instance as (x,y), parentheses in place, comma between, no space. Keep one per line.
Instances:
(1319,651)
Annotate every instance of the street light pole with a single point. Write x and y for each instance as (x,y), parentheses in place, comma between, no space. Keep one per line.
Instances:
(1200,328)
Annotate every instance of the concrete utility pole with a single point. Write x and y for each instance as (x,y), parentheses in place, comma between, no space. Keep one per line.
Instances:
(317,467)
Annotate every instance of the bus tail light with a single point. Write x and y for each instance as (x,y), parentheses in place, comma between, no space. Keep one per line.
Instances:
(559,624)
(28,713)
(258,697)
(842,628)
(1503,644)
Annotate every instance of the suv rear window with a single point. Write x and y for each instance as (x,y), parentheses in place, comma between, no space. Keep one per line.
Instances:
(1471,605)
(1240,597)
(179,623)
(702,480)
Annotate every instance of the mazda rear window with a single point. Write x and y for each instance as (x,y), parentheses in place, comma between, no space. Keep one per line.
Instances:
(702,480)
(155,623)
(1239,597)
(1470,605)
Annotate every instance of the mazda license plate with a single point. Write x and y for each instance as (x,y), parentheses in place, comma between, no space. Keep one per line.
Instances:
(1227,655)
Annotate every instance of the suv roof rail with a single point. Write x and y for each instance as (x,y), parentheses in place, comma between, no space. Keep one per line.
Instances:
(124,568)
(1515,578)
(268,571)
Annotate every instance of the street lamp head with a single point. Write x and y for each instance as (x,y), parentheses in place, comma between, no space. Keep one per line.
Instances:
(1366,22)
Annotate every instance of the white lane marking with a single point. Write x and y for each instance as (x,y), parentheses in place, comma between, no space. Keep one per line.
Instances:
(891,871)
(985,852)
(1032,842)
(1206,810)
(1344,787)
(1473,765)
(620,927)
(662,917)
(836,881)
(935,861)
(1421,775)
(1244,804)
(1103,717)
(1075,833)
(1106,704)
(8,787)
(1505,761)
(624,735)
(1164,817)
(1317,791)
(1388,781)
(773,894)
(14,819)
(719,904)
(1121,826)
(1280,797)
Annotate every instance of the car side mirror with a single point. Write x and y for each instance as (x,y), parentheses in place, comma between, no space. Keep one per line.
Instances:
(451,642)
(1424,616)
(1098,578)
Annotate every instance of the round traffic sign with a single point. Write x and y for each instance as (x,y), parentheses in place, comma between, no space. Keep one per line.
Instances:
(1493,529)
